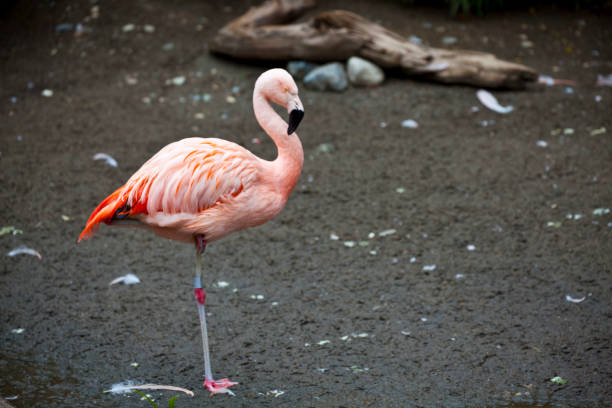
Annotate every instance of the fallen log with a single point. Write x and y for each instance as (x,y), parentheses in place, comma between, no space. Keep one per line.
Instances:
(264,33)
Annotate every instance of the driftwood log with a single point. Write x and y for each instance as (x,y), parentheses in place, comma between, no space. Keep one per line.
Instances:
(264,32)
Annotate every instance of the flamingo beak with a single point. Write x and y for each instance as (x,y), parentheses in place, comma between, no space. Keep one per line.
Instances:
(295,117)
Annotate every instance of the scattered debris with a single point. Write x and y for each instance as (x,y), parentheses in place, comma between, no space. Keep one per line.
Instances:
(488,100)
(387,232)
(409,123)
(18,331)
(558,380)
(599,131)
(542,143)
(63,27)
(459,276)
(178,81)
(325,148)
(429,268)
(222,284)
(405,333)
(604,80)
(149,28)
(356,370)
(128,386)
(334,237)
(601,211)
(25,251)
(135,364)
(66,218)
(47,93)
(129,279)
(349,244)
(424,319)
(554,224)
(449,40)
(9,229)
(230,99)
(107,158)
(128,27)
(323,342)
(257,297)
(471,247)
(399,190)
(550,81)
(574,300)
(275,393)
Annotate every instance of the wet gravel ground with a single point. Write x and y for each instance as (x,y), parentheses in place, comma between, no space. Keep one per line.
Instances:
(406,316)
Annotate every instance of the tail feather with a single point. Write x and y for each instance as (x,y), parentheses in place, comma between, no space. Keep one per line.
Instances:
(104,212)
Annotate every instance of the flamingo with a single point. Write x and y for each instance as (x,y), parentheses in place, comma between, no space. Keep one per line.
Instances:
(199,190)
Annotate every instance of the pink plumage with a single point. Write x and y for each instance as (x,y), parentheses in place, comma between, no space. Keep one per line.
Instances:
(209,186)
(199,190)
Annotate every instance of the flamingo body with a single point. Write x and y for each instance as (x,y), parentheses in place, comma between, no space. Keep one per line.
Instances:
(199,190)
(211,186)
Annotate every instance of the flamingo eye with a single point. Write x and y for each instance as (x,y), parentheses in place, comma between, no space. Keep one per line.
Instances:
(286,89)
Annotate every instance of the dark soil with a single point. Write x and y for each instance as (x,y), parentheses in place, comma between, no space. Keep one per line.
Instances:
(487,327)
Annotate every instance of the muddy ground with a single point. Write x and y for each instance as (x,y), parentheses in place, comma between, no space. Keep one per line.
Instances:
(373,325)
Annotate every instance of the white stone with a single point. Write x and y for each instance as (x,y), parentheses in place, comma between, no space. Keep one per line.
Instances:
(364,73)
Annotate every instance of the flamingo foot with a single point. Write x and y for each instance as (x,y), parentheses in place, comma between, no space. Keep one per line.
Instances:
(219,386)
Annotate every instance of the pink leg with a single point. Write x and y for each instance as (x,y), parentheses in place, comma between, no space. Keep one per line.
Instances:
(214,386)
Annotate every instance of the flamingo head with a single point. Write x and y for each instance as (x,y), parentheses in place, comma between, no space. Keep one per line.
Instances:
(282,90)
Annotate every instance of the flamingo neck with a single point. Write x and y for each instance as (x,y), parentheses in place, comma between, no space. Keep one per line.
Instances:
(285,170)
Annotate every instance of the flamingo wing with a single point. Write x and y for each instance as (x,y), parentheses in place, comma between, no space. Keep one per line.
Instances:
(185,177)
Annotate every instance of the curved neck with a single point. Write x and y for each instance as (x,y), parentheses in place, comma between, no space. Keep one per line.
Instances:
(285,170)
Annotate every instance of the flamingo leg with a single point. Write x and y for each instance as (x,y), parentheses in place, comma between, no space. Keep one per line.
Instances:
(214,386)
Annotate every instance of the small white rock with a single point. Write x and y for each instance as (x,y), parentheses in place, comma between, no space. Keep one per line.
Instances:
(470,247)
(429,267)
(409,123)
(362,72)
(47,93)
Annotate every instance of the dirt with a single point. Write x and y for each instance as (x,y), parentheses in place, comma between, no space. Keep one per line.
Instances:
(375,324)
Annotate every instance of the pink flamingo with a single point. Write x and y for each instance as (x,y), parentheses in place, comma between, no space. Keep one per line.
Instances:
(200,190)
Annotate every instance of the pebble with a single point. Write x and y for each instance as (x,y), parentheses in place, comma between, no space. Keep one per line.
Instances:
(149,28)
(415,39)
(362,72)
(409,123)
(542,143)
(63,27)
(429,268)
(178,81)
(328,77)
(47,93)
(128,27)
(299,69)
(470,247)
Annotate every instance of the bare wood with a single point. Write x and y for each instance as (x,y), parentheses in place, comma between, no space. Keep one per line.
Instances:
(337,35)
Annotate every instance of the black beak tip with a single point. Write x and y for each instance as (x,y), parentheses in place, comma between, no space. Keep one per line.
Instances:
(295,117)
